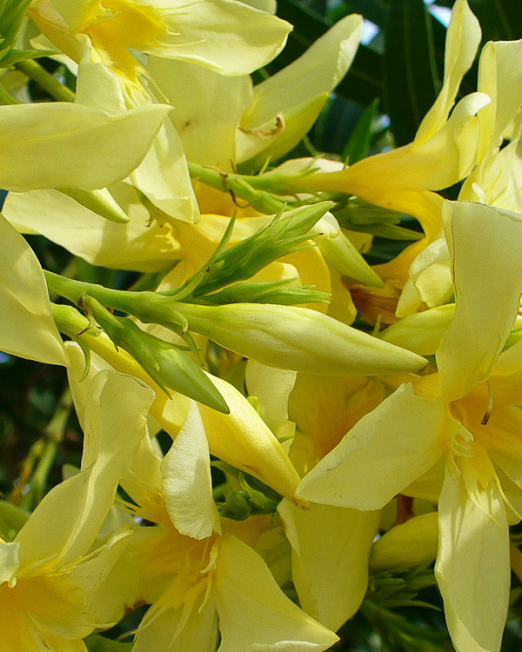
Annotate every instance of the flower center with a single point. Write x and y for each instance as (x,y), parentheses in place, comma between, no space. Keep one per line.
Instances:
(114,26)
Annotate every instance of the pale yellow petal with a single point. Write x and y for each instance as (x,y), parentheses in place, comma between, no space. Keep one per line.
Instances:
(272,139)
(28,328)
(323,66)
(500,76)
(242,439)
(382,454)
(473,567)
(163,176)
(497,181)
(207,113)
(272,388)
(254,614)
(421,332)
(107,597)
(331,546)
(115,423)
(8,560)
(187,484)
(174,630)
(462,41)
(139,245)
(484,244)
(228,37)
(63,145)
(407,545)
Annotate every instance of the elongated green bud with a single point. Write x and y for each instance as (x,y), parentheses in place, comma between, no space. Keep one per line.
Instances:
(165,363)
(296,338)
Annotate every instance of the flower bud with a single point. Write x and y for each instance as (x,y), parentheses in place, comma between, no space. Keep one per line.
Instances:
(409,544)
(165,363)
(422,331)
(299,339)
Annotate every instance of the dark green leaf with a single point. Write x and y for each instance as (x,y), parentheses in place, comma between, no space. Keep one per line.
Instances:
(359,142)
(410,72)
(499,19)
(363,81)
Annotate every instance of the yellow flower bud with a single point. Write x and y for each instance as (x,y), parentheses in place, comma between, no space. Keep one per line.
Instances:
(409,544)
(298,339)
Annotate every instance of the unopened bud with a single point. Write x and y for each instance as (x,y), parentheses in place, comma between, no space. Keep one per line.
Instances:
(409,544)
(165,363)
(299,339)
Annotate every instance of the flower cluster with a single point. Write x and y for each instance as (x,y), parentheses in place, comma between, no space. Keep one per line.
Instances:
(277,435)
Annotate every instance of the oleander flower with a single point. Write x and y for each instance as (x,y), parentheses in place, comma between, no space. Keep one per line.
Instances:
(50,576)
(454,436)
(442,153)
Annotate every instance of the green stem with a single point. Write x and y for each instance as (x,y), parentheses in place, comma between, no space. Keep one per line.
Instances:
(45,80)
(39,478)
(146,306)
(238,188)
(75,290)
(258,185)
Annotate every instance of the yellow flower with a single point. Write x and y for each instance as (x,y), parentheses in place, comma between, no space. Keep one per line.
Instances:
(200,572)
(241,438)
(49,575)
(455,433)
(442,153)
(322,567)
(229,37)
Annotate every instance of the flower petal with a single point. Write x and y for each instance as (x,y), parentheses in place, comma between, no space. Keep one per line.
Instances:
(500,77)
(242,439)
(228,37)
(115,422)
(8,560)
(284,95)
(473,567)
(65,145)
(324,566)
(382,454)
(28,328)
(164,178)
(207,113)
(137,245)
(254,614)
(462,41)
(167,629)
(323,65)
(485,244)
(187,485)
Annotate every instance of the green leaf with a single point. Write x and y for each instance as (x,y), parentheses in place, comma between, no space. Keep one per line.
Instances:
(363,83)
(411,80)
(359,142)
(500,20)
